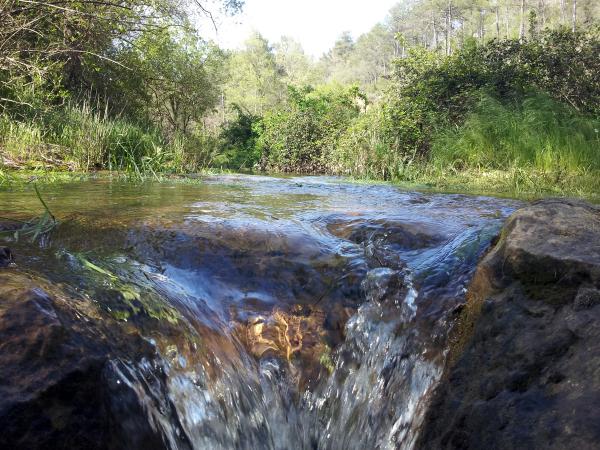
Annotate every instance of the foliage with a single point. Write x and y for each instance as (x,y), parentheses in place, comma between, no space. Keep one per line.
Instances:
(256,83)
(295,66)
(82,138)
(537,133)
(367,148)
(238,142)
(181,76)
(506,106)
(301,136)
(150,78)
(432,92)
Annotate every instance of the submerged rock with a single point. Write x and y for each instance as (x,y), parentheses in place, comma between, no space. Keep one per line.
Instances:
(6,257)
(10,225)
(402,235)
(525,365)
(73,377)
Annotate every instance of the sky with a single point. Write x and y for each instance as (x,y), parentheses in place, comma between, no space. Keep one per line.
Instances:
(316,24)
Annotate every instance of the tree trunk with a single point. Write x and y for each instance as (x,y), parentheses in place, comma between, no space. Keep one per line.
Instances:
(448,27)
(542,9)
(481,24)
(435,35)
(507,17)
(497,22)
(522,24)
(447,33)
(574,15)
(563,11)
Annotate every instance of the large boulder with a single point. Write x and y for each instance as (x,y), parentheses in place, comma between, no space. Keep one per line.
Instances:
(61,360)
(524,368)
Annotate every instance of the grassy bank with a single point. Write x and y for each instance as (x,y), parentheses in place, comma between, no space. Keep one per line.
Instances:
(80,138)
(516,182)
(536,147)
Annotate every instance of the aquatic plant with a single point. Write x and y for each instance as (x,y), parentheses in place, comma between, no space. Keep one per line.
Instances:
(36,227)
(126,300)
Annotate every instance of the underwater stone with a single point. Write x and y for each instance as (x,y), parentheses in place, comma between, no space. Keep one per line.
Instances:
(6,257)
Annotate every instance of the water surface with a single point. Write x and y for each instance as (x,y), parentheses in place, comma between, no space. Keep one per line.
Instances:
(312,313)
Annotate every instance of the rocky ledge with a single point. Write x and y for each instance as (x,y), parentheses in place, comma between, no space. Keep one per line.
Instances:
(524,367)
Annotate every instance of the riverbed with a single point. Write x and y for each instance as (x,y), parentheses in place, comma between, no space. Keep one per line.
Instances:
(299,312)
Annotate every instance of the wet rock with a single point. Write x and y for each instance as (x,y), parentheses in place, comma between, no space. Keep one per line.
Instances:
(280,263)
(551,248)
(586,298)
(10,225)
(6,257)
(524,371)
(288,295)
(402,235)
(54,352)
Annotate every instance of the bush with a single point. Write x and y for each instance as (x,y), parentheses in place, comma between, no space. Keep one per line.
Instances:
(302,136)
(432,92)
(237,147)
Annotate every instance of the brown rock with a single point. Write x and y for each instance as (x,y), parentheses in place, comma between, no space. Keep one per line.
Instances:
(525,371)
(56,386)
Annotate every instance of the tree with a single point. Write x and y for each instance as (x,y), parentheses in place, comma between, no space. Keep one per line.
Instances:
(64,46)
(182,76)
(297,66)
(371,58)
(256,82)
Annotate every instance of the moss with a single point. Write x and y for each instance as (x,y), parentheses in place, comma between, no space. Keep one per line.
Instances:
(124,300)
(326,361)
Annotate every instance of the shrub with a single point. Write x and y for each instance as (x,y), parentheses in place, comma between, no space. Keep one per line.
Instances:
(237,147)
(302,136)
(432,92)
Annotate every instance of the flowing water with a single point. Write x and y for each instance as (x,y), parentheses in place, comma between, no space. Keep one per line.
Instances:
(285,312)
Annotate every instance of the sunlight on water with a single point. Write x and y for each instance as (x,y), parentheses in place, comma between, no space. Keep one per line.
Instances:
(284,313)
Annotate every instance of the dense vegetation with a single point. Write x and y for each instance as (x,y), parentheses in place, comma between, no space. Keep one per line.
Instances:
(504,113)
(441,92)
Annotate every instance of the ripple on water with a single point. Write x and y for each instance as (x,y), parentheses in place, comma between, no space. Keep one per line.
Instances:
(312,313)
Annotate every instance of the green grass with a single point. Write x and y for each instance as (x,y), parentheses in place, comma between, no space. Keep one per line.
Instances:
(534,148)
(513,182)
(537,135)
(79,138)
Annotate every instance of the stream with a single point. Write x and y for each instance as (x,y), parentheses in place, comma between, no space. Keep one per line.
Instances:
(279,313)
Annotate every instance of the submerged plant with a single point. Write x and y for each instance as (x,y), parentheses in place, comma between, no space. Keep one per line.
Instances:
(126,299)
(37,226)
